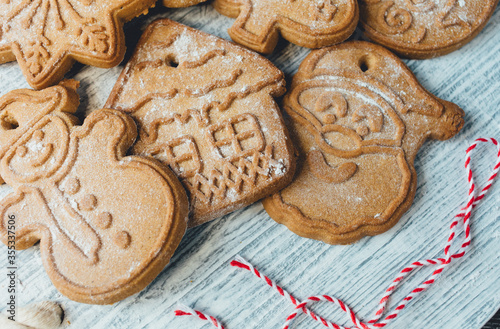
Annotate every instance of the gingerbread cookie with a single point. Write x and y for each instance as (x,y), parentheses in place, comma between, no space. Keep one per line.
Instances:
(47,36)
(424,28)
(358,117)
(205,107)
(108,224)
(307,23)
(181,3)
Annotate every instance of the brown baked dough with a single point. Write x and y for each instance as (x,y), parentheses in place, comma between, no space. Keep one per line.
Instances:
(424,28)
(181,3)
(47,36)
(307,23)
(107,223)
(205,107)
(358,118)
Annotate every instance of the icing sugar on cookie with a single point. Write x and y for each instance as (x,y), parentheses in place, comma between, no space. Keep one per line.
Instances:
(359,117)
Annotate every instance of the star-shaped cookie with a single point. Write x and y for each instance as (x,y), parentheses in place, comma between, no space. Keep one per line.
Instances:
(47,36)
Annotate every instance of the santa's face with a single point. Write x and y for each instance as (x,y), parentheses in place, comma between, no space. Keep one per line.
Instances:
(344,120)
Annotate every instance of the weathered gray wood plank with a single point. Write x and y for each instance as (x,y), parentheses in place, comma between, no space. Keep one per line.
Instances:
(466,296)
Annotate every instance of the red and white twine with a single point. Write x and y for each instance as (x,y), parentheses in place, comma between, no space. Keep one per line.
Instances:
(461,221)
(183,310)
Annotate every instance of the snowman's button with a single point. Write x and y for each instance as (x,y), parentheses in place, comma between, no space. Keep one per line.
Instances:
(21,151)
(122,239)
(71,186)
(88,203)
(103,221)
(38,135)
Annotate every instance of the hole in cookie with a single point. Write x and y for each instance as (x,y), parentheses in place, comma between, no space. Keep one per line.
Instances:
(367,62)
(9,123)
(171,60)
(174,62)
(363,65)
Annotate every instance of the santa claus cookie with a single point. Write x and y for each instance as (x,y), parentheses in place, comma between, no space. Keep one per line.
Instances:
(424,28)
(107,224)
(358,117)
(47,36)
(307,23)
(205,107)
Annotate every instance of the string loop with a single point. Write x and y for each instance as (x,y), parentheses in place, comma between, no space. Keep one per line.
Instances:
(460,223)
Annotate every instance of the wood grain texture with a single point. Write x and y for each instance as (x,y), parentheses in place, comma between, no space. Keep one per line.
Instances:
(466,296)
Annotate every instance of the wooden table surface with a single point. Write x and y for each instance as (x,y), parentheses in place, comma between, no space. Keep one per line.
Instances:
(199,275)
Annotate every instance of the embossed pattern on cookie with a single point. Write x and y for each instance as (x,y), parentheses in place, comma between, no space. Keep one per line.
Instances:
(205,107)
(307,23)
(358,118)
(424,28)
(104,234)
(47,36)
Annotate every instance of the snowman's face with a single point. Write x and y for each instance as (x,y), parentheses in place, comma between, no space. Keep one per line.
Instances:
(38,153)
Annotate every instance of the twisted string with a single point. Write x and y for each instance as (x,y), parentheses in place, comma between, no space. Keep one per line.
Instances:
(183,310)
(461,221)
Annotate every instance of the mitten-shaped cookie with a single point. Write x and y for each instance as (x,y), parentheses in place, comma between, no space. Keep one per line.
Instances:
(47,36)
(307,23)
(424,28)
(205,107)
(358,117)
(107,223)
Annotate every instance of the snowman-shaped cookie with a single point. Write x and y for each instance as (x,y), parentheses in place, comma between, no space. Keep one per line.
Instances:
(107,223)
